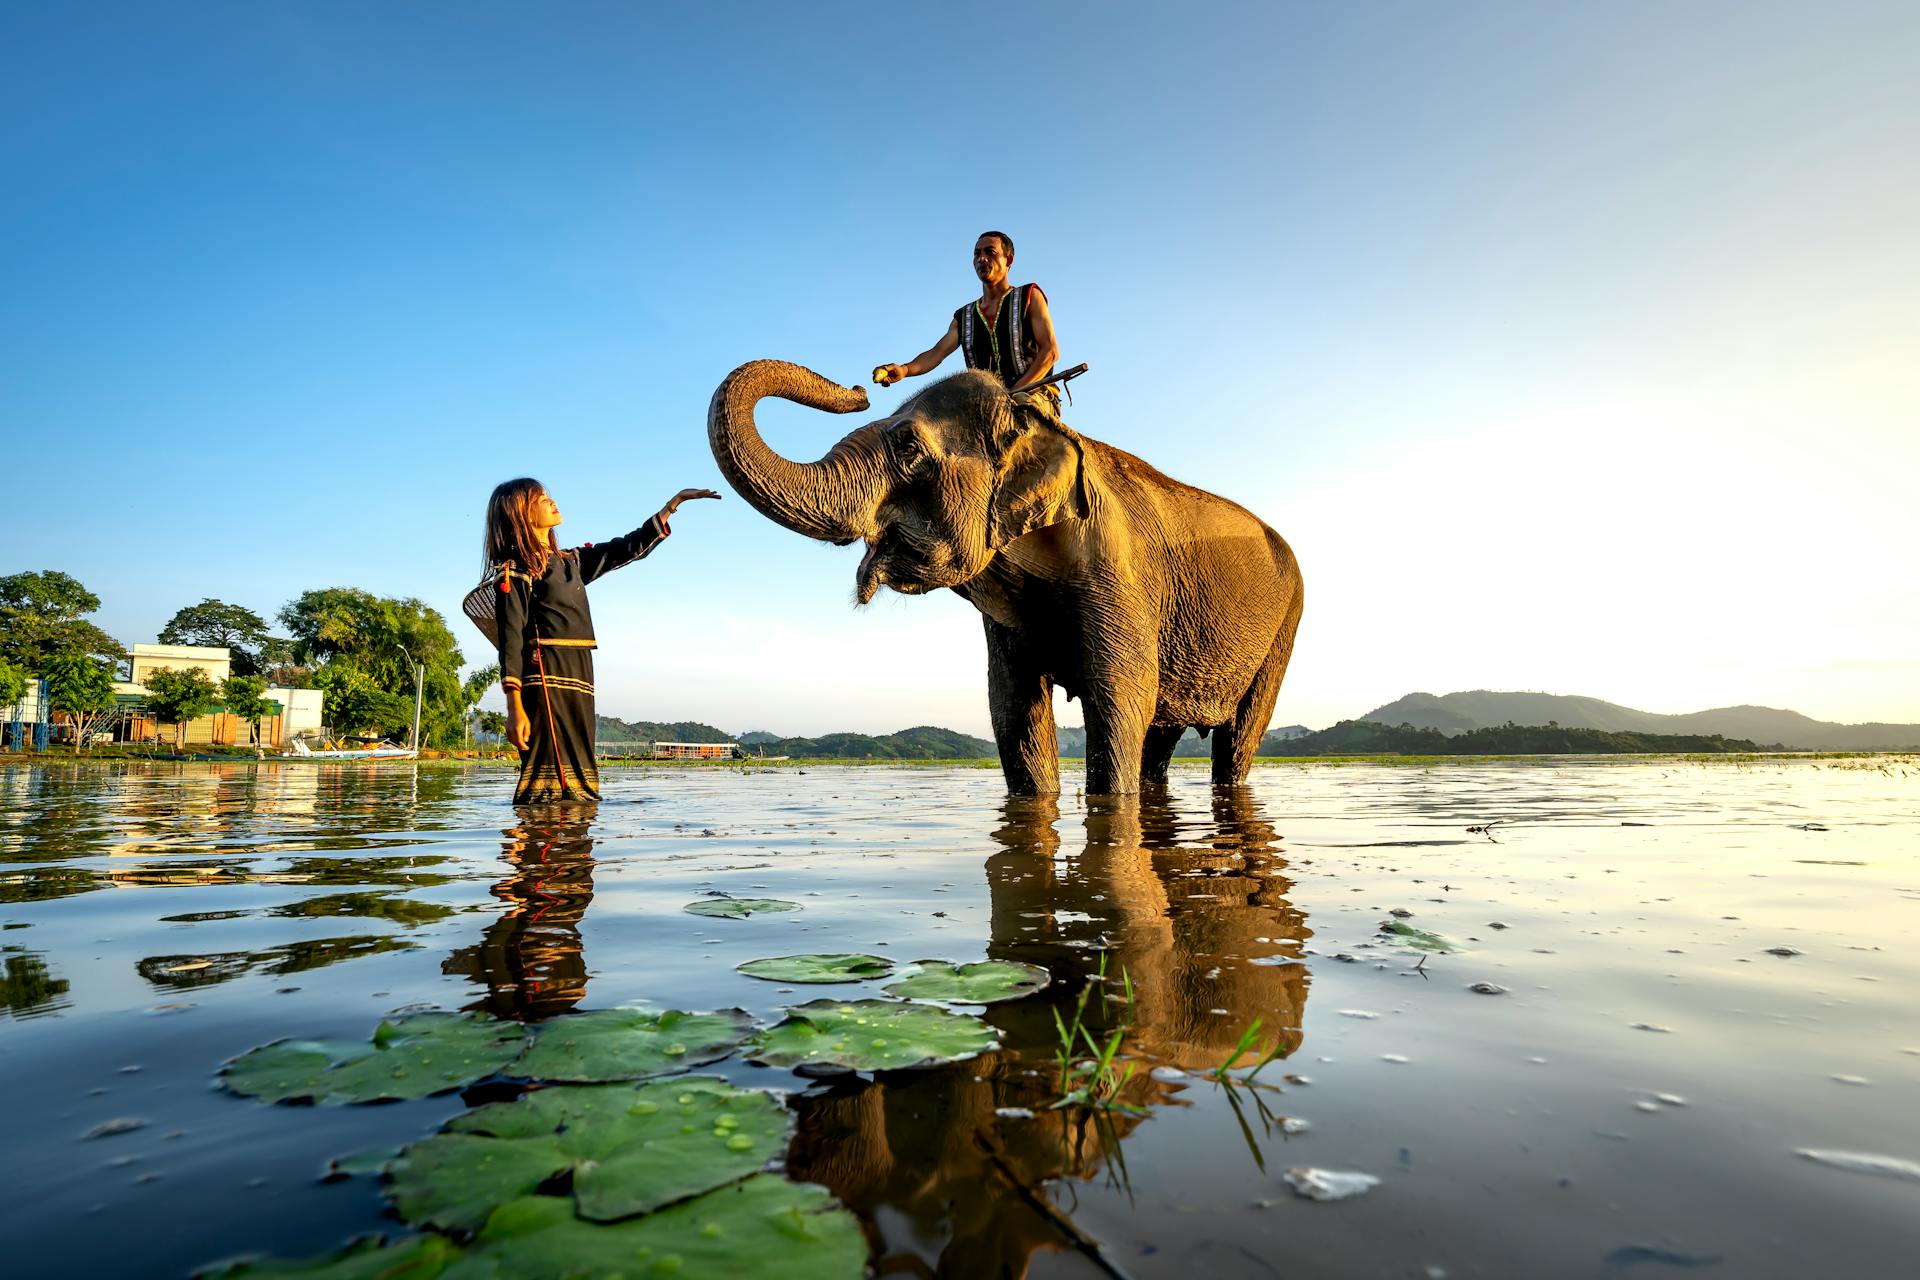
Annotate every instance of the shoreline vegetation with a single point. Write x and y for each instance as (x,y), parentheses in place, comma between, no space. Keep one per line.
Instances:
(507,760)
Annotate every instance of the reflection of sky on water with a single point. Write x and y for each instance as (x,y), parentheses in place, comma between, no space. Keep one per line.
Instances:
(170,918)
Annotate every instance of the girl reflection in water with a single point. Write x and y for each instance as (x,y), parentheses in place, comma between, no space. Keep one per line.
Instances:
(546,633)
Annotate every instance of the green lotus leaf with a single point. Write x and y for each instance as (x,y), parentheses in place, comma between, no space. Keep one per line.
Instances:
(739,908)
(762,1226)
(988,982)
(630,1044)
(410,1056)
(408,1258)
(869,1035)
(629,1150)
(818,968)
(1419,939)
(360,1163)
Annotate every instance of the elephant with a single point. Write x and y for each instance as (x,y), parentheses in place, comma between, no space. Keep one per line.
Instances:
(1160,606)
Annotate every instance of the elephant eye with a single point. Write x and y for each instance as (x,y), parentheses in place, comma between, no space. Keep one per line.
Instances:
(906,446)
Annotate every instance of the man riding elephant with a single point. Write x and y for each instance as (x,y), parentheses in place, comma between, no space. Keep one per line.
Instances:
(1007,330)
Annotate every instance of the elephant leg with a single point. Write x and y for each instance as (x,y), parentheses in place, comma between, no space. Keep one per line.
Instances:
(1157,752)
(1237,742)
(1020,700)
(1117,725)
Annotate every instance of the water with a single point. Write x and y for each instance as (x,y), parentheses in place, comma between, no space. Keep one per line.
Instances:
(1633,1101)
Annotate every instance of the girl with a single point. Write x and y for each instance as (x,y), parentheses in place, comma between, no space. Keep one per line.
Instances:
(546,633)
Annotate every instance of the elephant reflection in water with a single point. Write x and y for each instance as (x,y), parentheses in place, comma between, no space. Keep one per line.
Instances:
(529,959)
(1184,906)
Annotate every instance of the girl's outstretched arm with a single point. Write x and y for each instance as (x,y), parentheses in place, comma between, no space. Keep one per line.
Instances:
(601,558)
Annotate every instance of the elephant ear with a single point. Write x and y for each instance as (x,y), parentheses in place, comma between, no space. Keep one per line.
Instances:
(1040,483)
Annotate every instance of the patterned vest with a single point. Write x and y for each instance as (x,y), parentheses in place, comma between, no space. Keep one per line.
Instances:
(1005,346)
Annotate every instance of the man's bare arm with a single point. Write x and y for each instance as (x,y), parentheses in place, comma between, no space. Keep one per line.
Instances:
(1045,349)
(927,361)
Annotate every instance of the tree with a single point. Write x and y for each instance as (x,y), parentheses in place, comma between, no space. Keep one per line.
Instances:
(13,684)
(472,689)
(380,639)
(279,666)
(245,697)
(81,686)
(217,624)
(44,614)
(180,697)
(355,702)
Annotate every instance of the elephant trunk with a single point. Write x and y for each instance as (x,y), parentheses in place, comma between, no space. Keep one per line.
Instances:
(833,499)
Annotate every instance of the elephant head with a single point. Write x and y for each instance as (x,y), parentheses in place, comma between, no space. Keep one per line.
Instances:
(935,490)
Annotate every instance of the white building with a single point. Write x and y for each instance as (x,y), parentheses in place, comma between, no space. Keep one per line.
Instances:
(302,711)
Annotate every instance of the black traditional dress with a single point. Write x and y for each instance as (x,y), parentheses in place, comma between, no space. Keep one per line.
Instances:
(1007,345)
(546,653)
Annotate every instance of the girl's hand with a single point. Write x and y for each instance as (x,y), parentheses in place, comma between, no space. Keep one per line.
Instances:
(673,503)
(519,728)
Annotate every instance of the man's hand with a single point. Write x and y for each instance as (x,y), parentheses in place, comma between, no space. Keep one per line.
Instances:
(519,728)
(888,374)
(685,495)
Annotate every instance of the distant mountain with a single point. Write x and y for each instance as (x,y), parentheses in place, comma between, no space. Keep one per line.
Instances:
(1454,713)
(609,729)
(923,742)
(1369,737)
(1073,742)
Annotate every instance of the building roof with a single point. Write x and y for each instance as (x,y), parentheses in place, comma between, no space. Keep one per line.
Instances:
(199,652)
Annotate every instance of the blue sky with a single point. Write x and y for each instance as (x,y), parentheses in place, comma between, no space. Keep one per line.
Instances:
(1572,350)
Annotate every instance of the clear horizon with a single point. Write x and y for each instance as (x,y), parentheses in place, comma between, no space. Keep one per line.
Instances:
(1570,350)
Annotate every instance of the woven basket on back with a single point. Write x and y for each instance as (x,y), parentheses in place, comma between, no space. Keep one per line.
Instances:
(479,608)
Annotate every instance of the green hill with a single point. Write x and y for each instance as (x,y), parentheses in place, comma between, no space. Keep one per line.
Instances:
(1485,709)
(608,729)
(1073,742)
(1367,737)
(923,742)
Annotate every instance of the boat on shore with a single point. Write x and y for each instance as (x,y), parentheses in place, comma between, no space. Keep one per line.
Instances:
(367,749)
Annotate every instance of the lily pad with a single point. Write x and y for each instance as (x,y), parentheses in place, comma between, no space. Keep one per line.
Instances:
(629,1150)
(408,1258)
(630,1044)
(988,982)
(869,1035)
(818,968)
(739,908)
(1418,939)
(764,1225)
(410,1056)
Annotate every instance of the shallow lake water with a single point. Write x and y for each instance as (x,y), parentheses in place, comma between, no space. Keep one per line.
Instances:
(1704,972)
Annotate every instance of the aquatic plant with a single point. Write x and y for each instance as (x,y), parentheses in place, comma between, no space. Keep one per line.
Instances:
(1419,939)
(987,982)
(1248,1039)
(1099,1081)
(763,1225)
(837,967)
(738,908)
(410,1056)
(869,1035)
(630,1044)
(368,1258)
(627,1151)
